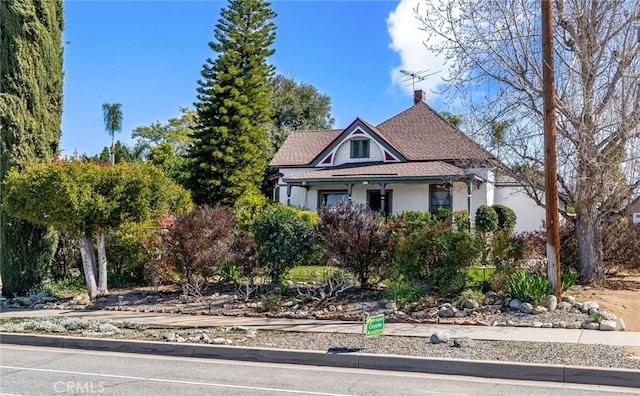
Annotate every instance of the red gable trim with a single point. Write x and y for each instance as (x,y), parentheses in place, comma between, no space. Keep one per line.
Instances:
(389,157)
(357,128)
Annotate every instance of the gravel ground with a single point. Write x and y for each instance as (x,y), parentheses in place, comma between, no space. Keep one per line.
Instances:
(523,352)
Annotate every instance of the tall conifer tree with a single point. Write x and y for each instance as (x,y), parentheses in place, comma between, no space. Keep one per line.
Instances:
(31,80)
(230,151)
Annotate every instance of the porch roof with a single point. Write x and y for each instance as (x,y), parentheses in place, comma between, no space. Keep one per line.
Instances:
(432,171)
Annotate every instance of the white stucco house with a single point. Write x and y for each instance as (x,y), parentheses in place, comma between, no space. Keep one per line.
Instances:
(416,160)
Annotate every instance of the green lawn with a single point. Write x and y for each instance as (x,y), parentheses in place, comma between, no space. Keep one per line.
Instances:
(478,275)
(308,273)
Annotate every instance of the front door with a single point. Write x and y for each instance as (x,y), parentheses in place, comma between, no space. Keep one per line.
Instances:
(374,201)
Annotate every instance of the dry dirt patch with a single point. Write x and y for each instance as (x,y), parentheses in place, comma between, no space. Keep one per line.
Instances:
(620,295)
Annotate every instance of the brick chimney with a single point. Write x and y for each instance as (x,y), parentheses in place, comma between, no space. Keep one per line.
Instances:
(418,96)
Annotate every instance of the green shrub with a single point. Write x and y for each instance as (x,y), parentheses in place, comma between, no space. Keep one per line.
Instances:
(486,219)
(568,278)
(283,239)
(528,287)
(443,214)
(123,279)
(461,220)
(69,285)
(470,294)
(404,292)
(508,251)
(228,273)
(246,209)
(597,317)
(271,302)
(126,253)
(506,218)
(432,253)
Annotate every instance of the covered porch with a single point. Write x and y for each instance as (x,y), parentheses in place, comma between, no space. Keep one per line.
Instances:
(387,188)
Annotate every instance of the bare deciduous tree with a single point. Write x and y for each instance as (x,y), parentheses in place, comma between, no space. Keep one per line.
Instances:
(493,49)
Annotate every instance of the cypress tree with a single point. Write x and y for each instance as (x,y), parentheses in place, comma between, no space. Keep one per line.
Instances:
(31,79)
(230,150)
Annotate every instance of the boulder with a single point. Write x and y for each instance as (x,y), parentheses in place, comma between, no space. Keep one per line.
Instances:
(108,328)
(445,312)
(564,306)
(551,303)
(620,324)
(574,325)
(440,337)
(569,299)
(471,304)
(515,304)
(220,341)
(589,325)
(463,342)
(607,325)
(539,310)
(526,308)
(590,307)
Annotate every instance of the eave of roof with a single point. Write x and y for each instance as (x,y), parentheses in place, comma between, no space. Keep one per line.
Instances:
(435,171)
(300,148)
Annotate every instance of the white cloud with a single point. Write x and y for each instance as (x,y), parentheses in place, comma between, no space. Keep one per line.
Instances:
(408,41)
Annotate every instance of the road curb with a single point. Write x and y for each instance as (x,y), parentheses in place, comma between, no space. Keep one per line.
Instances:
(472,368)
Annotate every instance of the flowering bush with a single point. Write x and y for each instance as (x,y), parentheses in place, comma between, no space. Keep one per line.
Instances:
(356,239)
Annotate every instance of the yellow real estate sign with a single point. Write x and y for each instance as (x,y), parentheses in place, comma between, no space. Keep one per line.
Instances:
(373,325)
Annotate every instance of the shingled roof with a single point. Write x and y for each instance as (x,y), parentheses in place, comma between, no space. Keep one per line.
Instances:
(418,134)
(408,170)
(301,148)
(421,134)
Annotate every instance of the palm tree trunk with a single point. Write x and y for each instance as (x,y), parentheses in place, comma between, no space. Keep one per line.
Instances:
(113,148)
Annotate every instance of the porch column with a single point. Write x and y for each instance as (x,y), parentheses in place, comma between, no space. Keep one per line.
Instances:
(451,192)
(469,195)
(349,190)
(288,194)
(383,199)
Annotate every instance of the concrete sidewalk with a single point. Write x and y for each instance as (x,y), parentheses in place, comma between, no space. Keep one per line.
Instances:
(628,379)
(577,336)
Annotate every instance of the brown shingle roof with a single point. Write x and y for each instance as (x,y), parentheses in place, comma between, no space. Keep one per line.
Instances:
(418,134)
(301,148)
(417,170)
(421,134)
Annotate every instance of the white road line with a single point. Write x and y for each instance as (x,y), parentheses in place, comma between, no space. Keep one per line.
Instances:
(173,381)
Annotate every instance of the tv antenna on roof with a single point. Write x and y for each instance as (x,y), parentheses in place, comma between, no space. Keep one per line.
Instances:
(413,76)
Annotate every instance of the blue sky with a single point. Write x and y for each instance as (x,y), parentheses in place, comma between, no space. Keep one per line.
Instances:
(147,55)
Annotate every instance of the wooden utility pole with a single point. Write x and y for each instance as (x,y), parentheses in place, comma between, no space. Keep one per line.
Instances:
(550,164)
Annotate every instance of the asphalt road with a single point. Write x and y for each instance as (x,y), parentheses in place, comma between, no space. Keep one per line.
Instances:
(26,370)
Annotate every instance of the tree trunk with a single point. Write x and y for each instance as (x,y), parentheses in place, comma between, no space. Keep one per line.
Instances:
(102,263)
(589,237)
(88,264)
